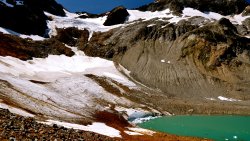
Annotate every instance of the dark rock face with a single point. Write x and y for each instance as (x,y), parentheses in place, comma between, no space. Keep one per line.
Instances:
(26,49)
(29,18)
(224,7)
(23,20)
(50,6)
(116,16)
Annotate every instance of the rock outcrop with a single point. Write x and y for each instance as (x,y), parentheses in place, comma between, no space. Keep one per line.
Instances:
(26,49)
(73,36)
(116,16)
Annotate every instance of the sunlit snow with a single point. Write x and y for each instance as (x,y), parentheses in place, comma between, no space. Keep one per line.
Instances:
(96,127)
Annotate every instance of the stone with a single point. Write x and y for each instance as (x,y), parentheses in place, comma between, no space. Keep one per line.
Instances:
(117,16)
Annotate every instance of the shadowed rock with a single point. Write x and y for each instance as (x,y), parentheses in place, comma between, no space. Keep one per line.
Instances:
(117,16)
(29,18)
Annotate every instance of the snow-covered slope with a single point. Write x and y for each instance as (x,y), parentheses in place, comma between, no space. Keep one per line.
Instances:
(33,37)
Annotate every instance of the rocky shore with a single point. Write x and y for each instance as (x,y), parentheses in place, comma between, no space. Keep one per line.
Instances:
(16,128)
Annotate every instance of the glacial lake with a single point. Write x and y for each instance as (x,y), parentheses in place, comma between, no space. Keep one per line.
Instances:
(218,128)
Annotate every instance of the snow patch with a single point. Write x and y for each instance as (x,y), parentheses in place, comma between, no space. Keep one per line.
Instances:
(227,99)
(96,127)
(212,99)
(72,20)
(33,37)
(151,25)
(142,131)
(133,133)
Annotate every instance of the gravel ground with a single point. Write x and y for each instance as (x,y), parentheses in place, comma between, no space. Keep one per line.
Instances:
(17,128)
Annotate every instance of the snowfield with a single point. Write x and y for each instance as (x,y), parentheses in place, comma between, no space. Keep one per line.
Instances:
(96,127)
(62,87)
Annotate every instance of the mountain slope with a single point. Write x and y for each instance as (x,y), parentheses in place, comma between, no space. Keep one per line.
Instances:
(183,61)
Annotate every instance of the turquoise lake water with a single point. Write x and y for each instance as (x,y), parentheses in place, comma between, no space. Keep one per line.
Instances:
(219,128)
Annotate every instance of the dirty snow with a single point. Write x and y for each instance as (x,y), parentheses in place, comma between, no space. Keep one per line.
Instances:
(95,127)
(15,110)
(142,131)
(129,111)
(144,119)
(227,99)
(133,133)
(212,99)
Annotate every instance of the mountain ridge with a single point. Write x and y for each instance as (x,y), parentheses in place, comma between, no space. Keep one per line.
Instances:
(179,60)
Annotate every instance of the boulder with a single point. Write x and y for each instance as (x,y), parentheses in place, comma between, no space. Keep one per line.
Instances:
(117,16)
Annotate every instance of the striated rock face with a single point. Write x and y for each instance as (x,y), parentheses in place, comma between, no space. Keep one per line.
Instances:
(183,59)
(26,49)
(29,18)
(116,16)
(224,7)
